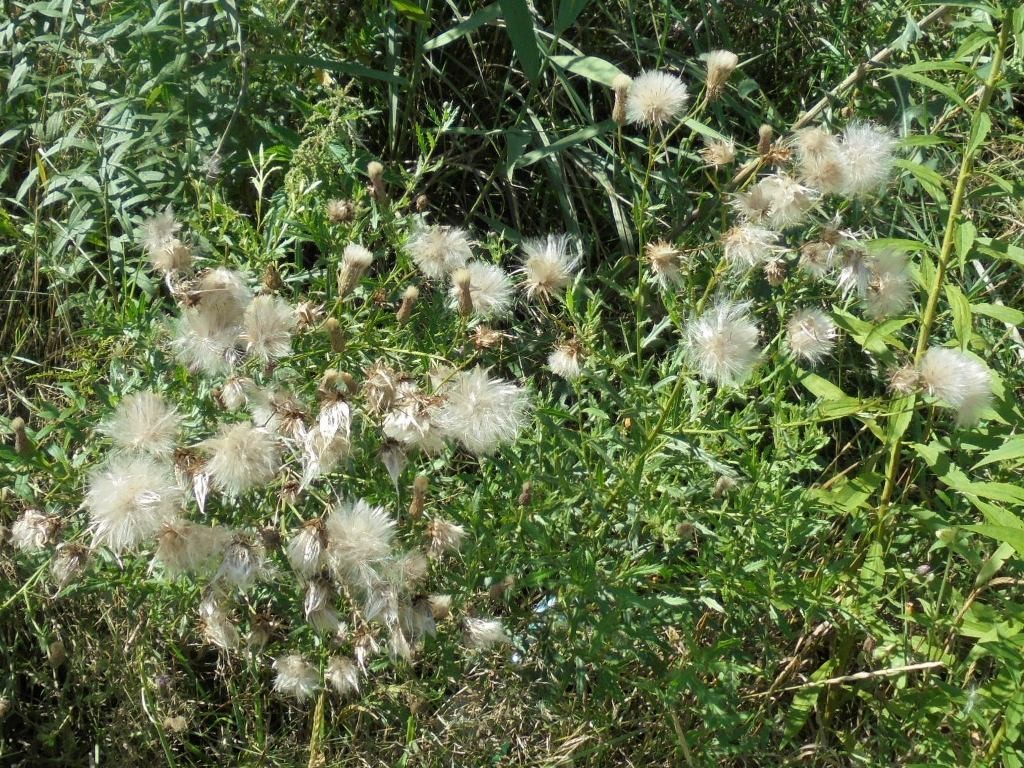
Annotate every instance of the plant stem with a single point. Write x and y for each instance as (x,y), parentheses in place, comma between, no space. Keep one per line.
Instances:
(948,240)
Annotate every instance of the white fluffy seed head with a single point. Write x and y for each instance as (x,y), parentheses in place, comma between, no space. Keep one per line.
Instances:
(482,634)
(566,360)
(268,325)
(437,250)
(655,98)
(173,256)
(33,531)
(747,246)
(223,294)
(410,420)
(130,500)
(144,423)
(296,678)
(481,412)
(203,344)
(235,392)
(889,290)
(958,380)
(189,548)
(548,266)
(719,152)
(722,343)
(720,66)
(490,288)
(666,263)
(308,549)
(343,676)
(156,232)
(445,536)
(359,541)
(242,457)
(811,334)
(788,201)
(866,153)
(244,563)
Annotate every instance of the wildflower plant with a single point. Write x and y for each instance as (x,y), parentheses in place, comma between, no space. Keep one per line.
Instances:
(358,438)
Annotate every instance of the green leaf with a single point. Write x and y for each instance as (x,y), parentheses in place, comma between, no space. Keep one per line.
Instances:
(1008,451)
(568,12)
(519,25)
(572,139)
(965,236)
(411,11)
(993,563)
(591,67)
(909,73)
(1001,249)
(979,130)
(334,65)
(1012,536)
(961,309)
(486,15)
(1000,312)
(931,181)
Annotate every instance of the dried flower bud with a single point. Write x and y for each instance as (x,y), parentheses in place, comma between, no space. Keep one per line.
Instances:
(719,153)
(408,301)
(354,262)
(526,495)
(905,380)
(764,140)
(775,272)
(422,203)
(22,442)
(272,281)
(462,281)
(308,314)
(440,606)
(335,334)
(56,654)
(721,65)
(341,211)
(685,530)
(499,588)
(723,486)
(485,337)
(70,561)
(376,173)
(349,381)
(419,497)
(620,85)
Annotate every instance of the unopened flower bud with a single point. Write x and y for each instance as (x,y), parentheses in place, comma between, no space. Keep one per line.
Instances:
(341,211)
(419,497)
(335,334)
(376,173)
(526,495)
(408,301)
(621,87)
(422,203)
(22,442)
(462,281)
(354,262)
(764,140)
(272,281)
(775,272)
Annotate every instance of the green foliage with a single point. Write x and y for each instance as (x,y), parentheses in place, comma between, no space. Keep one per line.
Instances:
(701,575)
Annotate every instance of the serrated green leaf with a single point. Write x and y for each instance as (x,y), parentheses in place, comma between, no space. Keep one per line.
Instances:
(961,309)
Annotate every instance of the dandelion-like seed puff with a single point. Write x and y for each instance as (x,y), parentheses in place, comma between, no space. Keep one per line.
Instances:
(722,343)
(655,99)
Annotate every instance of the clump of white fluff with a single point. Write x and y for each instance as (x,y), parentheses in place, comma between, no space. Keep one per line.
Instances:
(548,266)
(410,420)
(129,501)
(490,288)
(33,531)
(143,422)
(359,539)
(343,675)
(811,335)
(223,295)
(242,457)
(866,153)
(958,380)
(481,634)
(655,98)
(722,343)
(157,232)
(747,246)
(481,412)
(566,360)
(188,548)
(437,250)
(268,326)
(819,161)
(202,342)
(788,201)
(889,289)
(296,677)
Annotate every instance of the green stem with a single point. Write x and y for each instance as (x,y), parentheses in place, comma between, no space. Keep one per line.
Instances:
(948,240)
